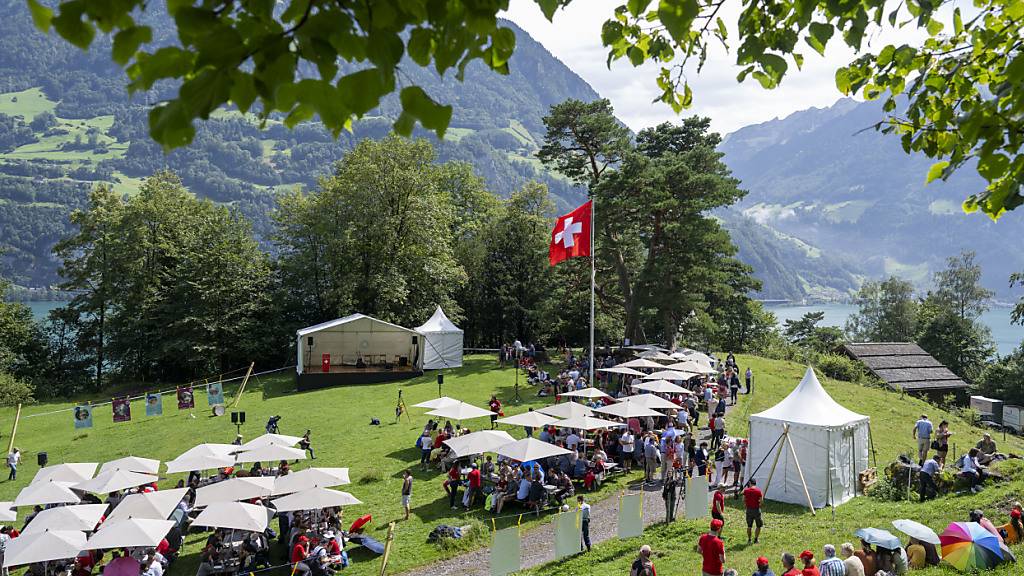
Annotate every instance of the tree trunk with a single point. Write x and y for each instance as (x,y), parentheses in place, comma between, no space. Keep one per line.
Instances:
(629,301)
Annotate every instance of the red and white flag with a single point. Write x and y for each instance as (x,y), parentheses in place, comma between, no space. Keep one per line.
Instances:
(571,235)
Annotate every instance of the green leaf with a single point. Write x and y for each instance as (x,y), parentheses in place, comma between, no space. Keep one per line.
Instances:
(420,46)
(361,91)
(41,15)
(430,114)
(205,92)
(171,125)
(775,66)
(637,7)
(993,166)
(958,21)
(127,42)
(503,44)
(936,171)
(69,24)
(243,90)
(843,80)
(636,56)
(548,7)
(723,32)
(934,27)
(677,16)
(819,35)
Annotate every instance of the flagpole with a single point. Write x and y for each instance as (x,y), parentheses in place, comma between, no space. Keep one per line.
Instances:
(593,276)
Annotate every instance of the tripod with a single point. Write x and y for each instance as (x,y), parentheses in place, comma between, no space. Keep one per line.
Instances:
(401,409)
(516,397)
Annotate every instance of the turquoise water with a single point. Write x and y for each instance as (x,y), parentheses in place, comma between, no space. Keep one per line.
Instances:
(1007,336)
(41,309)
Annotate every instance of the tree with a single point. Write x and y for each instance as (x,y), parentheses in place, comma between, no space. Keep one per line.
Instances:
(959,287)
(18,335)
(806,333)
(1004,378)
(583,140)
(961,97)
(886,312)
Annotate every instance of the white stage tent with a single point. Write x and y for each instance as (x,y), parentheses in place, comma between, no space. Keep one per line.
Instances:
(828,443)
(357,340)
(442,342)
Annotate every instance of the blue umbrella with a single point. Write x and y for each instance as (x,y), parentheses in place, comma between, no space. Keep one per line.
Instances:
(878,537)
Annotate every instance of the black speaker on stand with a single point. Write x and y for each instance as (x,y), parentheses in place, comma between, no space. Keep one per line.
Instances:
(42,458)
(238,418)
(440,380)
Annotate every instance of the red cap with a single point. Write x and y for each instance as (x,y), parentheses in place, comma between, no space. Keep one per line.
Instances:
(806,555)
(1015,514)
(716,525)
(762,561)
(303,539)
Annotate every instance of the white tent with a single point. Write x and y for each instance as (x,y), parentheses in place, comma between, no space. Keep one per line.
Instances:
(357,337)
(832,443)
(442,342)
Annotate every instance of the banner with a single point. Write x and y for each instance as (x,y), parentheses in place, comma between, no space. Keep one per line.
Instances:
(186,401)
(568,534)
(631,516)
(696,497)
(154,405)
(505,552)
(215,393)
(83,416)
(122,408)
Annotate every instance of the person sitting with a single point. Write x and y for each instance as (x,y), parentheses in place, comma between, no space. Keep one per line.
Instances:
(986,449)
(1013,529)
(763,568)
(563,483)
(536,494)
(789,565)
(809,568)
(979,517)
(970,469)
(868,558)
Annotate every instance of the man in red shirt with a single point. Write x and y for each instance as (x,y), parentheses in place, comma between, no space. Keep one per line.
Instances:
(712,550)
(475,485)
(495,406)
(299,553)
(718,503)
(789,565)
(752,498)
(809,568)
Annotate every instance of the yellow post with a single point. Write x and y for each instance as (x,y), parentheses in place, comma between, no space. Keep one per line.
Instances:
(238,397)
(14,429)
(387,549)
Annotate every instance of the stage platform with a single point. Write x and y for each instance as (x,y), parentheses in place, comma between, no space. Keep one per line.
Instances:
(313,377)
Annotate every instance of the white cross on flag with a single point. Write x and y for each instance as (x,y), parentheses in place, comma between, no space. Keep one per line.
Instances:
(571,235)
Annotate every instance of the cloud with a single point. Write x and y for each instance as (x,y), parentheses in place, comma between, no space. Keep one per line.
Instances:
(574,37)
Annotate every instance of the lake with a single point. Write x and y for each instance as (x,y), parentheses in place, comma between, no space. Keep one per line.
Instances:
(41,309)
(1007,336)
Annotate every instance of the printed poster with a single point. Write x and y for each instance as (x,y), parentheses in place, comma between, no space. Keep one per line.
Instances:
(696,497)
(154,405)
(568,534)
(631,516)
(505,552)
(186,401)
(122,408)
(83,416)
(215,393)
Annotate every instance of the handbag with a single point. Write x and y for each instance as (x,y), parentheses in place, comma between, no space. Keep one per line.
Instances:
(935,445)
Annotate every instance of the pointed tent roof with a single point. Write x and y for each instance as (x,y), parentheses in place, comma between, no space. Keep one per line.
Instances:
(810,405)
(439,324)
(385,326)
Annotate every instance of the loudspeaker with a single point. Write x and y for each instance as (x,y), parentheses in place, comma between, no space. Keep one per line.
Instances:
(440,379)
(415,340)
(42,458)
(309,340)
(241,417)
(238,417)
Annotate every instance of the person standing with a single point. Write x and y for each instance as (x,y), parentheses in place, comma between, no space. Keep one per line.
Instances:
(627,442)
(495,405)
(752,499)
(830,565)
(306,445)
(712,550)
(928,488)
(426,445)
(942,443)
(584,521)
(13,459)
(651,454)
(734,388)
(853,564)
(750,379)
(406,492)
(718,504)
(643,566)
(923,434)
(475,485)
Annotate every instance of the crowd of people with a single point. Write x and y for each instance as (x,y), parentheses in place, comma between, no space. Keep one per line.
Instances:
(933,450)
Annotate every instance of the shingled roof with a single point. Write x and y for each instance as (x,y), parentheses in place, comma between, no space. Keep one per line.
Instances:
(904,366)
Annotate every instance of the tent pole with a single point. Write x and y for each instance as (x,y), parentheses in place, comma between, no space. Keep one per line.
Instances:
(799,471)
(785,434)
(766,455)
(871,442)
(828,468)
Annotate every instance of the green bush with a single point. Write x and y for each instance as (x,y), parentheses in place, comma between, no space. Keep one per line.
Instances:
(840,367)
(14,391)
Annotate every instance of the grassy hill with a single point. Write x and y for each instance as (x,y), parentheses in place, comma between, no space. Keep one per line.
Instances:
(376,455)
(792,528)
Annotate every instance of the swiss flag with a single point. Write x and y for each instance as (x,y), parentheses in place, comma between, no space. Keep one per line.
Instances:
(571,235)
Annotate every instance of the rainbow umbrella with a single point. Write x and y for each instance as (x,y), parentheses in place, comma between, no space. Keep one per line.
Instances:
(968,546)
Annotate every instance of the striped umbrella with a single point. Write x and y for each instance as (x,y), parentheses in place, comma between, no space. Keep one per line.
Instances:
(968,546)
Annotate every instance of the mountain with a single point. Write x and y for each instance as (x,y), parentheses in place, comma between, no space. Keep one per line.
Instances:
(66,123)
(826,179)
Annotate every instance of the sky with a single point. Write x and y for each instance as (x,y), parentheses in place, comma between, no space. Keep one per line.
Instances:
(574,37)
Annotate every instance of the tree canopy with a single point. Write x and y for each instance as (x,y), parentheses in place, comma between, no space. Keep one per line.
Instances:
(962,88)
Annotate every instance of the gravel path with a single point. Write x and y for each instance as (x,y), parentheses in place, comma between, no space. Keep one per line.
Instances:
(537,544)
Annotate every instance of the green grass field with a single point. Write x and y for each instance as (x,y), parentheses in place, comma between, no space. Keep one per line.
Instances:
(26,103)
(793,528)
(342,436)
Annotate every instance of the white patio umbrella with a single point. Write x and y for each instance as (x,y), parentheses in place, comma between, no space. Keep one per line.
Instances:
(235,489)
(669,375)
(621,370)
(46,492)
(587,423)
(589,393)
(437,403)
(268,440)
(460,411)
(8,513)
(530,449)
(82,517)
(653,402)
(642,363)
(917,530)
(43,547)
(692,366)
(681,353)
(701,357)
(198,462)
(566,410)
(208,450)
(310,478)
(627,409)
(114,480)
(270,453)
(314,499)
(661,387)
(132,464)
(73,472)
(234,515)
(479,442)
(532,419)
(148,506)
(656,355)
(130,533)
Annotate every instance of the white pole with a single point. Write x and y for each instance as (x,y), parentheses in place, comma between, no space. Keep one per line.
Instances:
(593,276)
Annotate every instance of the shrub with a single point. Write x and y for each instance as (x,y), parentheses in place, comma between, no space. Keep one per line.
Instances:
(840,367)
(14,391)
